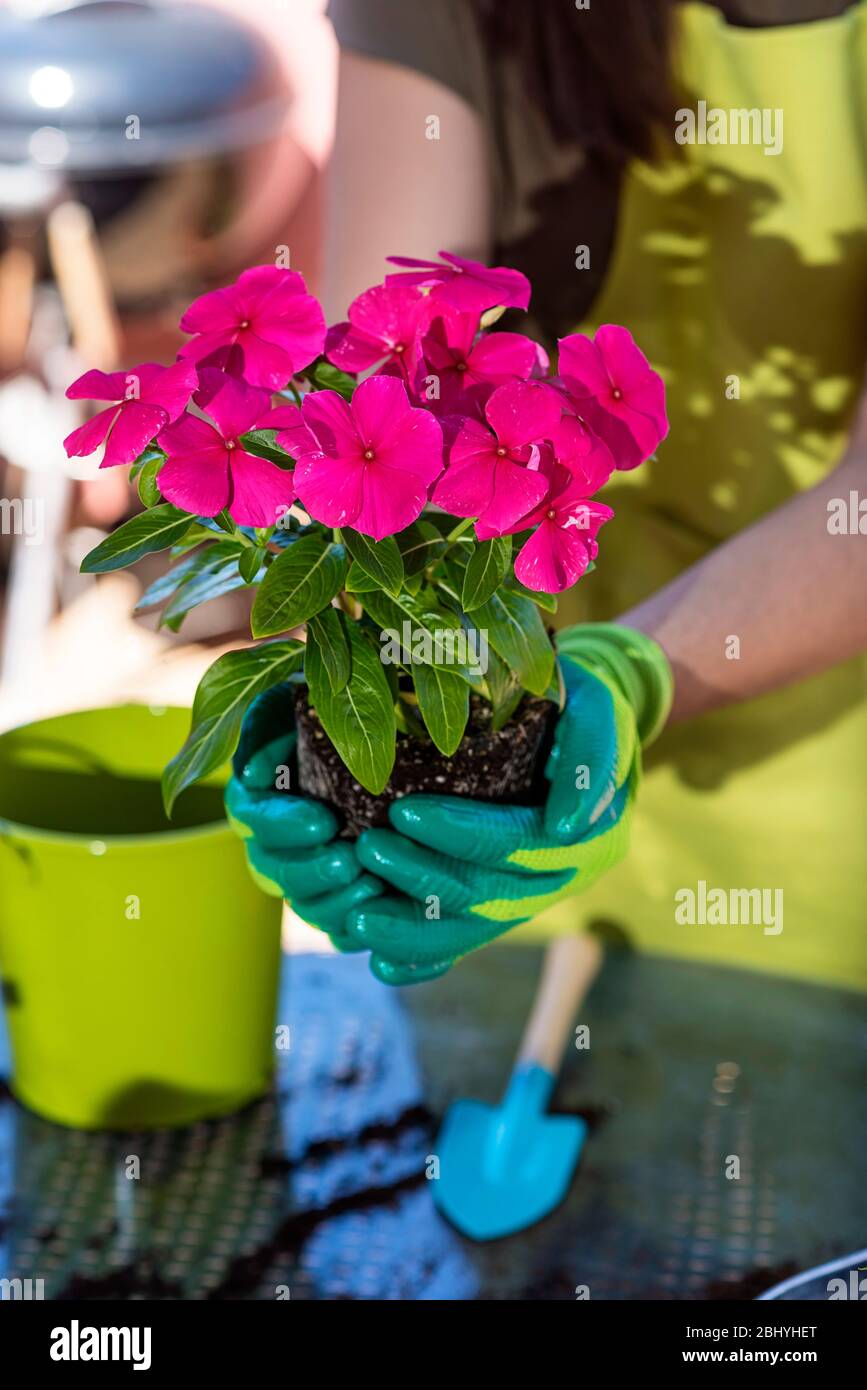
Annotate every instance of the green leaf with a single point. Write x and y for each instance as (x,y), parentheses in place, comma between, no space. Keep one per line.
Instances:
(380,559)
(165,586)
(148,486)
(301,581)
(326,630)
(444,701)
(330,378)
(251,561)
(504,690)
(517,634)
(358,581)
(420,545)
(263,443)
(542,600)
(225,691)
(209,582)
(485,572)
(359,719)
(432,629)
(153,530)
(143,459)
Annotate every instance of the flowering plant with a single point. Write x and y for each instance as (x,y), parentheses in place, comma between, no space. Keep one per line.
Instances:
(413,485)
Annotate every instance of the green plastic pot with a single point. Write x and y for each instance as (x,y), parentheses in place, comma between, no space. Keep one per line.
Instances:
(139,961)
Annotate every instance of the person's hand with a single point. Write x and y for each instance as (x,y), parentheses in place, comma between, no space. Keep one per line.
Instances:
(466,871)
(290,841)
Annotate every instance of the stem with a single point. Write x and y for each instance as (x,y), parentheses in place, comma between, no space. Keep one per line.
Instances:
(295,392)
(459,530)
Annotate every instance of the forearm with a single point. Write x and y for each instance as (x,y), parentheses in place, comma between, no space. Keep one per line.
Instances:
(391,188)
(780,601)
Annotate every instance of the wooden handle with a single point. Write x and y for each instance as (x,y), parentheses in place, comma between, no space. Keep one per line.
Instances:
(82,280)
(570,967)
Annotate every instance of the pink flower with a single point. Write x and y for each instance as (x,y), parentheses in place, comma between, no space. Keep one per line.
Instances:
(564,541)
(583,453)
(292,433)
(382,328)
(264,328)
(493,469)
(208,469)
(373,460)
(461,363)
(145,399)
(467,285)
(616,391)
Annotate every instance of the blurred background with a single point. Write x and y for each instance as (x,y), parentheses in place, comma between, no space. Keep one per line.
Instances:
(148,152)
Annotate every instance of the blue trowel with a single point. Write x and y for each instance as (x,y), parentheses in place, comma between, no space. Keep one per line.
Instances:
(504,1167)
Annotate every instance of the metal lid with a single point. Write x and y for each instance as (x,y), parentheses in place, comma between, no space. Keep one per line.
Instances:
(114,85)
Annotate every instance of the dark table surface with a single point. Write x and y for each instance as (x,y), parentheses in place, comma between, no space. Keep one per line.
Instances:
(319,1190)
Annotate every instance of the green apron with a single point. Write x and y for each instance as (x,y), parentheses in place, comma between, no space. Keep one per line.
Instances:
(743,277)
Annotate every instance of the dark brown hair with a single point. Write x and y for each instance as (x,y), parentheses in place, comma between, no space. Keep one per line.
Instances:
(602,75)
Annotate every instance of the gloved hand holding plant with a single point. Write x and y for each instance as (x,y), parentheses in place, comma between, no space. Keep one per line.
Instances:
(419,522)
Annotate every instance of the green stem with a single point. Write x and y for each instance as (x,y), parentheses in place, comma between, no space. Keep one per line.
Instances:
(459,530)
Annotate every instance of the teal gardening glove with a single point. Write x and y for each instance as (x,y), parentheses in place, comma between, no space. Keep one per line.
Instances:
(461,872)
(466,871)
(291,844)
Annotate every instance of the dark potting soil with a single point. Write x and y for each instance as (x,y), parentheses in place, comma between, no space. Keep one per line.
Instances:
(487,766)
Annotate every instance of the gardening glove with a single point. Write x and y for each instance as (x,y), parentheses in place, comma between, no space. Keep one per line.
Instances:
(466,871)
(290,841)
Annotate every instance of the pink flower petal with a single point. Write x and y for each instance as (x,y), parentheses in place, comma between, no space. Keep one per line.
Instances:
(329,419)
(216,312)
(263,363)
(582,365)
(98,386)
(197,483)
(189,437)
(379,407)
(352,350)
(299,330)
(626,364)
(330,489)
(631,437)
(552,559)
(392,498)
(522,412)
(415,446)
(88,437)
(133,430)
(168,387)
(214,349)
(261,492)
(467,487)
(264,290)
(292,433)
(517,491)
(233,406)
(500,356)
(478,286)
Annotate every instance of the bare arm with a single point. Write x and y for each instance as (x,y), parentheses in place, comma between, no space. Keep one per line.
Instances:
(394,190)
(791,592)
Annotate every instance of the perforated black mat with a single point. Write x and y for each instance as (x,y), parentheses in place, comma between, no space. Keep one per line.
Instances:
(320,1191)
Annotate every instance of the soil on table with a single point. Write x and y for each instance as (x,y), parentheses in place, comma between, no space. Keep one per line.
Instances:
(502,766)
